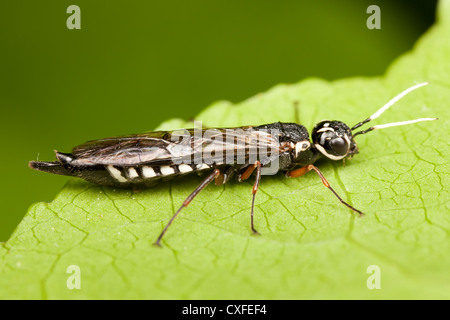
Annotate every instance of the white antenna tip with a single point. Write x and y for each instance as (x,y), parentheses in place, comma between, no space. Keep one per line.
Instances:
(402,123)
(395,99)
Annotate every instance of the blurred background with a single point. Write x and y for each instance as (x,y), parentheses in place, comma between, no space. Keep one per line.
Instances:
(134,64)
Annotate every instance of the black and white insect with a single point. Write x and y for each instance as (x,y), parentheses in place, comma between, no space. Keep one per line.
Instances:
(141,160)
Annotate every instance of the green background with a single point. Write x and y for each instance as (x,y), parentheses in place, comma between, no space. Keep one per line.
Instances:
(135,64)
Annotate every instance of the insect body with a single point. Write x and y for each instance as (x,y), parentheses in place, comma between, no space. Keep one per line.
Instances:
(142,160)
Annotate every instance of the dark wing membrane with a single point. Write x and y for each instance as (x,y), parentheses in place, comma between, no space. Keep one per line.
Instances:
(131,149)
(179,146)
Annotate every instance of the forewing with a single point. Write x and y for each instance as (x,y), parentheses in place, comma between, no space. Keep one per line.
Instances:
(180,146)
(125,150)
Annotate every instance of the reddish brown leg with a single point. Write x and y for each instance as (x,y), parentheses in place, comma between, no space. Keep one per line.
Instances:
(213,176)
(245,175)
(303,170)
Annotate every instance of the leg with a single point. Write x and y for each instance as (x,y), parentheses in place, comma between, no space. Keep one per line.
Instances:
(301,171)
(245,175)
(214,175)
(223,178)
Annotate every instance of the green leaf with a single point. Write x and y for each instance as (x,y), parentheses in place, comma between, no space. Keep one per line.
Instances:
(310,246)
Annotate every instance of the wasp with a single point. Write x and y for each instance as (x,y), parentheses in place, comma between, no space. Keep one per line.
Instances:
(142,160)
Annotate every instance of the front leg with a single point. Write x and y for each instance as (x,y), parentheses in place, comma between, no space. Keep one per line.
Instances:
(304,170)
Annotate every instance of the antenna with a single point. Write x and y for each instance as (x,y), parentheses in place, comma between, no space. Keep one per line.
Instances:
(393,124)
(388,105)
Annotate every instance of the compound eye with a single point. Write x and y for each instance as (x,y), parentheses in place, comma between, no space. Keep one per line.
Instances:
(340,146)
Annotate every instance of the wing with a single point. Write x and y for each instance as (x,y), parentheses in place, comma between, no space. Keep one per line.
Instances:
(124,150)
(179,146)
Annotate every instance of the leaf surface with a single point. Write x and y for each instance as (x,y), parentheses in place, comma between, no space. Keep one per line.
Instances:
(310,245)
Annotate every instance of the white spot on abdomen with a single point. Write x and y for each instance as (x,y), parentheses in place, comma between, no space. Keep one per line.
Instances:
(116,174)
(132,173)
(148,172)
(166,170)
(184,168)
